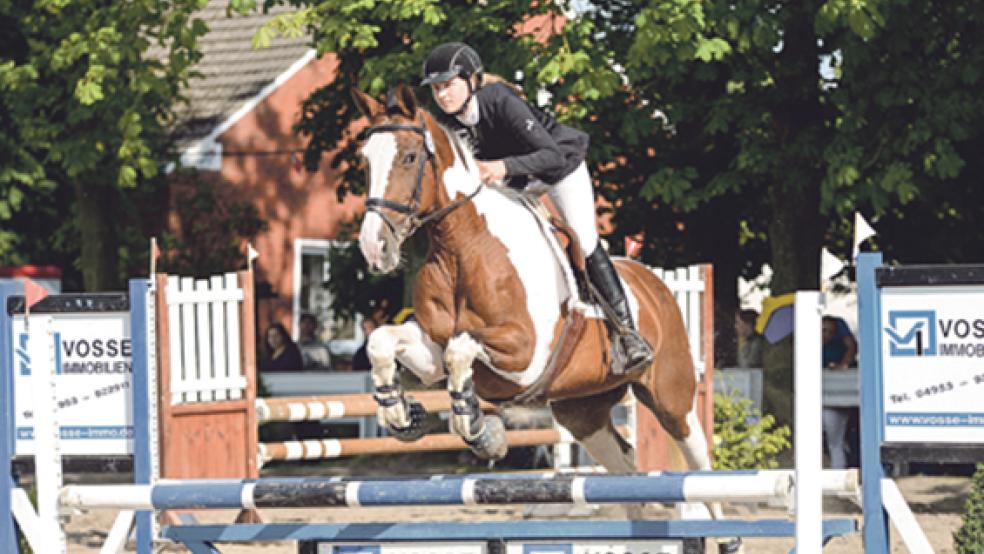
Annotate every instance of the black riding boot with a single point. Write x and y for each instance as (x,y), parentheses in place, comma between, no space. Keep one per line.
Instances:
(637,354)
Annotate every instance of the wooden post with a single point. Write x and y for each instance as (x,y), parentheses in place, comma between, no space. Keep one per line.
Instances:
(192,433)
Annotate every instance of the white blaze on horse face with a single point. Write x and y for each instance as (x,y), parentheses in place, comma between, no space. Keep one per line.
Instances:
(380,151)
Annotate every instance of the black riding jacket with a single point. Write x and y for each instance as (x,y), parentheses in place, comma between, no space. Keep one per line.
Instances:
(530,142)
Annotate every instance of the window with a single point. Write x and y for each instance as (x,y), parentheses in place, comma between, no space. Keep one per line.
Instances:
(311,271)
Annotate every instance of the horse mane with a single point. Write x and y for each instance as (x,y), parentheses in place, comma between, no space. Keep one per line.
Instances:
(462,153)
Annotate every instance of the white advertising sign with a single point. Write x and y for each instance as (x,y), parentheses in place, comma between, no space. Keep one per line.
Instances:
(932,348)
(93,362)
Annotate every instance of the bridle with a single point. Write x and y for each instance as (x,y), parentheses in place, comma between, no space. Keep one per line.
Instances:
(427,153)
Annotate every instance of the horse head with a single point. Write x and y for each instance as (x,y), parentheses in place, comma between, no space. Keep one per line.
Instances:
(403,163)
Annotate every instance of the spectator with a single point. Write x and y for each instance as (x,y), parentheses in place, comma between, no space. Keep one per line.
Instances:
(360,360)
(750,344)
(282,353)
(839,352)
(314,352)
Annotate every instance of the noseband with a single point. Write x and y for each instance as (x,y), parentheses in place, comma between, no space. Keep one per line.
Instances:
(426,154)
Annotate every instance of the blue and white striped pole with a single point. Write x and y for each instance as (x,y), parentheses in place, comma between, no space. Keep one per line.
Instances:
(328,492)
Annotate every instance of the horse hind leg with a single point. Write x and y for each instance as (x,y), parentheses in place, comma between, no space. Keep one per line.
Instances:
(688,434)
(589,421)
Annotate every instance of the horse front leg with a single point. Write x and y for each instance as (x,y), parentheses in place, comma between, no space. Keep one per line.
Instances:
(486,435)
(403,416)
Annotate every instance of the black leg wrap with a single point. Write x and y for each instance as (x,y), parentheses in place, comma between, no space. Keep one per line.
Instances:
(730,547)
(416,429)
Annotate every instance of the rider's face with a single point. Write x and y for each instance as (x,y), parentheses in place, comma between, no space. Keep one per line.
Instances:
(450,95)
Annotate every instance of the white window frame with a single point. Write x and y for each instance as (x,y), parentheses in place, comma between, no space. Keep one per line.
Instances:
(301,247)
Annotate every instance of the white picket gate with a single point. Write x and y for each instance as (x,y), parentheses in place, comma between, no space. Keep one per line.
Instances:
(205,339)
(688,287)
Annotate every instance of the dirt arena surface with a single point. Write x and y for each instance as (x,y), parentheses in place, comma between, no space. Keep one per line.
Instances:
(937,502)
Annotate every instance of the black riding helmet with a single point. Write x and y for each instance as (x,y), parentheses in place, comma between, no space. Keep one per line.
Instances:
(450,60)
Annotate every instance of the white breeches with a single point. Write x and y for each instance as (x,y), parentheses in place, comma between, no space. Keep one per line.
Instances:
(574,197)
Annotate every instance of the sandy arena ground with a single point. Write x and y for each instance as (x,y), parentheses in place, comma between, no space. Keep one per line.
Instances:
(937,502)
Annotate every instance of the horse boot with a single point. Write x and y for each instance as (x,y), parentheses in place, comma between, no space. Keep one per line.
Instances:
(636,353)
(389,396)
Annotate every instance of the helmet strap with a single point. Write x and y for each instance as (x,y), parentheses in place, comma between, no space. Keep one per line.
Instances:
(471,92)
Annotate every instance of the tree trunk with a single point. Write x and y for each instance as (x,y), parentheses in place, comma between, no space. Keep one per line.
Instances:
(795,234)
(718,240)
(100,245)
(796,226)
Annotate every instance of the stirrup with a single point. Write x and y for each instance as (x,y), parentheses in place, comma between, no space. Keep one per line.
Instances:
(620,363)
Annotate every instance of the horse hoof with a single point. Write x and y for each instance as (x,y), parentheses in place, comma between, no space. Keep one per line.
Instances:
(416,429)
(491,443)
(731,547)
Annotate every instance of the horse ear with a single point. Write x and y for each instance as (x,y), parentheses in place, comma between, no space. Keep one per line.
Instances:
(368,105)
(406,99)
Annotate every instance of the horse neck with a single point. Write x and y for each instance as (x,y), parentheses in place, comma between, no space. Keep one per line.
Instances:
(457,176)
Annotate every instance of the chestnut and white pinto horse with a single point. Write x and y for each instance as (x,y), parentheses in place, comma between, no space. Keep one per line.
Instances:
(492,297)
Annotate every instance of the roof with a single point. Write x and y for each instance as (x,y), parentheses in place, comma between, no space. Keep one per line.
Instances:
(232,73)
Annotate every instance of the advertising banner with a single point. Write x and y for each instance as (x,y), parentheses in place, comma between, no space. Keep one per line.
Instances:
(932,353)
(93,366)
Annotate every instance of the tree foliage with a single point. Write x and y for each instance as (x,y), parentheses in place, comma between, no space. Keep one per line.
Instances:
(735,132)
(86,92)
(970,537)
(743,437)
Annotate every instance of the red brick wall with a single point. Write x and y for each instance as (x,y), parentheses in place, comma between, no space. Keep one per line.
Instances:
(261,159)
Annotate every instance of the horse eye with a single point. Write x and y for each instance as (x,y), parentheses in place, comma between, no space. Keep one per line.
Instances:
(410,158)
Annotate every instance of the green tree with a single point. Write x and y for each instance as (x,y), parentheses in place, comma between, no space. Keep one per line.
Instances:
(735,132)
(970,537)
(87,92)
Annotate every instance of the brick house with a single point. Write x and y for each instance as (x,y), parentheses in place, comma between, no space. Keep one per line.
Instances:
(237,130)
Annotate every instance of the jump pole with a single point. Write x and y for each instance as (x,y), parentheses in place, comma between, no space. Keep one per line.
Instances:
(308,408)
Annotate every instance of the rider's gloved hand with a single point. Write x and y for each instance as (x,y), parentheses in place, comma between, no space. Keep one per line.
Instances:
(518,183)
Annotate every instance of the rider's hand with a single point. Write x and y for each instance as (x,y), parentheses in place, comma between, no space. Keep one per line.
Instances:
(492,171)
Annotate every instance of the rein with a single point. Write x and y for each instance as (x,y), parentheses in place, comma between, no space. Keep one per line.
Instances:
(426,154)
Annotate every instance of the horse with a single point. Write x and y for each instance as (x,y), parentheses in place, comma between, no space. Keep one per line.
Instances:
(493,298)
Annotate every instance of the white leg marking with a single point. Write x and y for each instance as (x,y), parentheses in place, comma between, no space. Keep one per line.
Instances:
(459,356)
(694,449)
(420,354)
(381,349)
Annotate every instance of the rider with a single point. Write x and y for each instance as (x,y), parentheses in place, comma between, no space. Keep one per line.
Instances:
(518,144)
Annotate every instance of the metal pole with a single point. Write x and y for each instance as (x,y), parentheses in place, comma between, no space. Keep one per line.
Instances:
(8,531)
(876,532)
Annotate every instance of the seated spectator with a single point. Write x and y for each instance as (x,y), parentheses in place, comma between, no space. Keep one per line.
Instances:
(360,360)
(839,352)
(313,351)
(282,353)
(750,343)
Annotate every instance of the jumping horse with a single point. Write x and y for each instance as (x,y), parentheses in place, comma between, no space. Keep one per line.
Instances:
(495,301)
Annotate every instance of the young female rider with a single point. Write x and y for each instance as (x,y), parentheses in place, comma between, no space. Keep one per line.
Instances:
(518,144)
